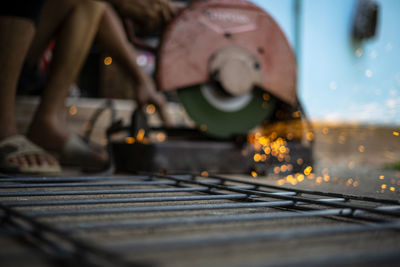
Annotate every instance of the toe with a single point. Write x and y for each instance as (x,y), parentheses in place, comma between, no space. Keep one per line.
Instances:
(14,161)
(22,160)
(32,160)
(52,161)
(42,160)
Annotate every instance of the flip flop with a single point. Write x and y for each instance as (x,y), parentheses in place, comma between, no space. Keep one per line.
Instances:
(19,145)
(77,153)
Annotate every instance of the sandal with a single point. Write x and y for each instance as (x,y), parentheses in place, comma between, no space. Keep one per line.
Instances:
(19,145)
(78,153)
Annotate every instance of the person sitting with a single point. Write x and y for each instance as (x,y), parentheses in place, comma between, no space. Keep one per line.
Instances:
(74,25)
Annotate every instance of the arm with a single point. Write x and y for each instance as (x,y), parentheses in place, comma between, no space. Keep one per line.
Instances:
(147,14)
(113,38)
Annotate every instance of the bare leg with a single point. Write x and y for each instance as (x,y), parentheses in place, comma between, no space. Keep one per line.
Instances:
(113,38)
(73,40)
(53,16)
(16,36)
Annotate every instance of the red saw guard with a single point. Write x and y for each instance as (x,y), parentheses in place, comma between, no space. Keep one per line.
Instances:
(205,27)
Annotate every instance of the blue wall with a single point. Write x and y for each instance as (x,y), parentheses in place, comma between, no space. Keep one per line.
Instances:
(339,81)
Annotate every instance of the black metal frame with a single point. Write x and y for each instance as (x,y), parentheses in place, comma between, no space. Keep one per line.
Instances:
(57,241)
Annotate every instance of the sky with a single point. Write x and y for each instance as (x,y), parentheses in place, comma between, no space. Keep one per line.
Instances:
(341,81)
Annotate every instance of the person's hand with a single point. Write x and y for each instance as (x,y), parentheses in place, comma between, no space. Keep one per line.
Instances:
(146,93)
(147,14)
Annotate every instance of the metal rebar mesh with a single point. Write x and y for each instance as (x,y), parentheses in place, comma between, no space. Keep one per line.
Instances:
(188,219)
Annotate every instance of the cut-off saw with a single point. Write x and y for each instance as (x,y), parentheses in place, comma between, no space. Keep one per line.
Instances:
(233,69)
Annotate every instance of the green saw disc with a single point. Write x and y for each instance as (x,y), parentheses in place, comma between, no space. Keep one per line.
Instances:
(223,116)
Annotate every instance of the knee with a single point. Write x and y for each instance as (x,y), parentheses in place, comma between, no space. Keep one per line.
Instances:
(91,7)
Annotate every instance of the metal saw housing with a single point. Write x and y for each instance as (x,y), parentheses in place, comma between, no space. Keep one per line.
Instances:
(206,29)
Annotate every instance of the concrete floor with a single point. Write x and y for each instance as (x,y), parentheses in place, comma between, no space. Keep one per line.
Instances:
(348,159)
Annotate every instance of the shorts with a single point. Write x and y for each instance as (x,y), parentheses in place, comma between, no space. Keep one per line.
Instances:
(29,9)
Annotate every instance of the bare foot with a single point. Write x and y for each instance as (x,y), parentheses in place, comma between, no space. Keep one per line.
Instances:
(50,133)
(54,136)
(17,152)
(33,160)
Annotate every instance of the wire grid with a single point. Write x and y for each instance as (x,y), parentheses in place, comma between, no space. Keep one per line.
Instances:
(173,220)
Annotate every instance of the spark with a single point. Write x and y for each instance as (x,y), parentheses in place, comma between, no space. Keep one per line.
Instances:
(107,61)
(150,109)
(267,146)
(267,150)
(140,135)
(257,157)
(264,158)
(310,136)
(254,174)
(263,140)
(284,168)
(381,177)
(296,114)
(204,173)
(351,165)
(130,140)
(203,127)
(308,170)
(383,186)
(73,110)
(392,188)
(361,148)
(161,137)
(396,133)
(266,97)
(341,139)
